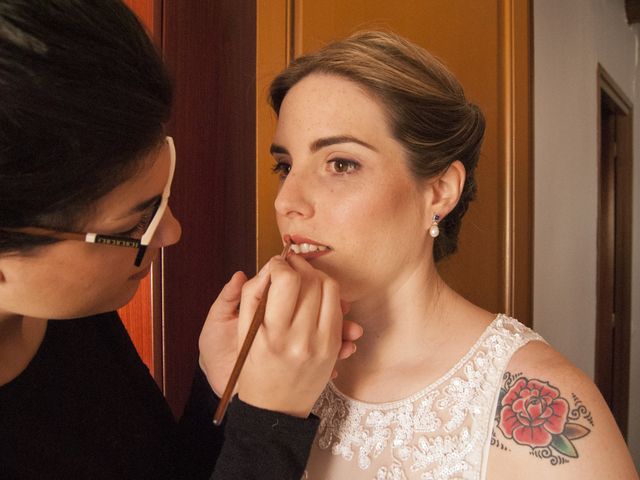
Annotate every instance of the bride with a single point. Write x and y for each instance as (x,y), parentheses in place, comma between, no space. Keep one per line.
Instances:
(376,147)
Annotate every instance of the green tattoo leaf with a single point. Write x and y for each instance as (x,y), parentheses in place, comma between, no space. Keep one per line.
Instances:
(563,445)
(573,431)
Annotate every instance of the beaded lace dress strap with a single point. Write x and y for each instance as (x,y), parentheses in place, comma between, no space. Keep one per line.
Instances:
(506,326)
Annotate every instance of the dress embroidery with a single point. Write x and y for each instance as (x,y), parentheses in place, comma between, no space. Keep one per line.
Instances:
(441,432)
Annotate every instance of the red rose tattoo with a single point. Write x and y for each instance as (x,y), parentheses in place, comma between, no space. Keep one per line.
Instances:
(533,413)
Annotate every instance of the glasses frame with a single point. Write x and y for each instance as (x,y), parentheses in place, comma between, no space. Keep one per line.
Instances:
(115,240)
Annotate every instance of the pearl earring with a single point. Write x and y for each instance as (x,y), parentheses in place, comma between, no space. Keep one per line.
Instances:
(434,231)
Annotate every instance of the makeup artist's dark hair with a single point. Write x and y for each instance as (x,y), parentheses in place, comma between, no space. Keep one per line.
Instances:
(426,106)
(83,97)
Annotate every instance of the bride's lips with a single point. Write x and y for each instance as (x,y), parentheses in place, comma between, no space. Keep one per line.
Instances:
(307,248)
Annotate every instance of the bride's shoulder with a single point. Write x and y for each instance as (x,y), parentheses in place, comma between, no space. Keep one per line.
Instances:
(551,419)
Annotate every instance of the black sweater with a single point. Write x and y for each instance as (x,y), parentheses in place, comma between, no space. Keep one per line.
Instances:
(86,407)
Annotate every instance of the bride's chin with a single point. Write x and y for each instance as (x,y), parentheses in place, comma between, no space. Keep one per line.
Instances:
(353,286)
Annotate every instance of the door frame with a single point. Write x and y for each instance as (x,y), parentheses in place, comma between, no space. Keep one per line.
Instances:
(614,251)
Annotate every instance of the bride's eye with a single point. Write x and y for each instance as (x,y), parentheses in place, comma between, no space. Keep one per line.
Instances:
(342,165)
(281,168)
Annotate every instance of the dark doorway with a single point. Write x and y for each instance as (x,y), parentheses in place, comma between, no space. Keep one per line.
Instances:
(614,249)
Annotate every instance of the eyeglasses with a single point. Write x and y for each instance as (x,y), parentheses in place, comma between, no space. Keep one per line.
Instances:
(119,241)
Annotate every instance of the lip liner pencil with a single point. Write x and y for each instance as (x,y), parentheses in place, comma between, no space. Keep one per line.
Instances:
(258,318)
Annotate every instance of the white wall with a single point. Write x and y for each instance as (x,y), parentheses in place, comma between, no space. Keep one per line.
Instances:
(570,38)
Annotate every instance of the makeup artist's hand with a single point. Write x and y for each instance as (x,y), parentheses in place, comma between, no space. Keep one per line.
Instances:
(295,351)
(218,343)
(293,355)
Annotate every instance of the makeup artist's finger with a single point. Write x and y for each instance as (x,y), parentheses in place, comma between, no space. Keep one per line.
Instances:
(351,330)
(252,292)
(321,301)
(217,342)
(330,318)
(226,305)
(347,349)
(309,304)
(311,278)
(285,288)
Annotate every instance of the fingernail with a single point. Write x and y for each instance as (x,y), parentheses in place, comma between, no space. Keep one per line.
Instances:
(345,306)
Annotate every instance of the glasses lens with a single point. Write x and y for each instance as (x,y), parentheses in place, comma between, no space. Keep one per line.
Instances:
(155,221)
(162,206)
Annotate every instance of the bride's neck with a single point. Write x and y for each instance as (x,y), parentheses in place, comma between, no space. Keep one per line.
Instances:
(401,320)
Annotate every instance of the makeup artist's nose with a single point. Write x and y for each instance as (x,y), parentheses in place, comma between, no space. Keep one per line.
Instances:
(169,230)
(293,198)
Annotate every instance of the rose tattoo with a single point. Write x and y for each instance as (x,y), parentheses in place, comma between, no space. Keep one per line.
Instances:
(533,413)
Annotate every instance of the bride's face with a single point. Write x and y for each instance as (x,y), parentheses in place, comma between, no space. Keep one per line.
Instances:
(346,190)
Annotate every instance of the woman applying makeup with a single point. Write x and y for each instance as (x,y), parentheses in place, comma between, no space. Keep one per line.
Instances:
(376,147)
(85,177)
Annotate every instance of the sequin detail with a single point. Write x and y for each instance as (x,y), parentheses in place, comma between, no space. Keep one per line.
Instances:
(440,433)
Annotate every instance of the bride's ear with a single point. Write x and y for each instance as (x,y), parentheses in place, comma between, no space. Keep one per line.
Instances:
(443,192)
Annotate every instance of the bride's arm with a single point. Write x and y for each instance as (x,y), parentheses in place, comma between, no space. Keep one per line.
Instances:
(552,422)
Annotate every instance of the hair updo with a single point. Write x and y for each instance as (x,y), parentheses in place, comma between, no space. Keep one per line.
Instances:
(427,110)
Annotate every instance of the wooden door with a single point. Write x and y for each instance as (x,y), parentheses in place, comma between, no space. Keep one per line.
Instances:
(486,45)
(613,320)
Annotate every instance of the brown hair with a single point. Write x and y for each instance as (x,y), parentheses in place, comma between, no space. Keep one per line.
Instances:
(427,109)
(84,96)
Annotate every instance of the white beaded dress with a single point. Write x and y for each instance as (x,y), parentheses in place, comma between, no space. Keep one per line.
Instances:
(441,432)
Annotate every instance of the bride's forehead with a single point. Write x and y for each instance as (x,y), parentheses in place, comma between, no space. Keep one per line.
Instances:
(331,103)
(327,89)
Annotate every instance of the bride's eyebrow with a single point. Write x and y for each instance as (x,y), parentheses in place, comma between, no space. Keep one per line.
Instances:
(325,142)
(275,148)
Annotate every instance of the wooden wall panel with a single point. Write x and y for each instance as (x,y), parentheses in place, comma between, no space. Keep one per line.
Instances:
(486,44)
(210,49)
(272,54)
(517,61)
(141,316)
